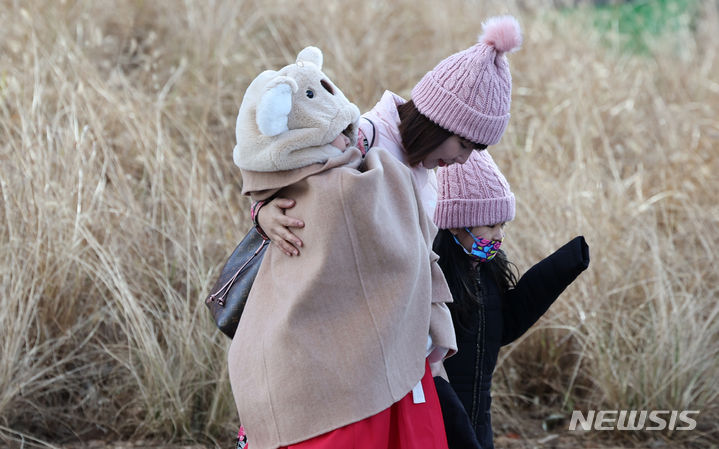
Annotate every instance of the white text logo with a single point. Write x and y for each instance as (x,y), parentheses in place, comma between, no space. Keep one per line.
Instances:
(633,420)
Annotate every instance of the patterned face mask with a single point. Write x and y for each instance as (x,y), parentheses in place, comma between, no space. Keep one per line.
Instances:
(483,250)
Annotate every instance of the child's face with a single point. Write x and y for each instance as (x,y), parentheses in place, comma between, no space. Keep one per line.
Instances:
(494,232)
(341,142)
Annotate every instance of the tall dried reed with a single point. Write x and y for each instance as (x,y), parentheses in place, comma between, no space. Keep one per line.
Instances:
(119,201)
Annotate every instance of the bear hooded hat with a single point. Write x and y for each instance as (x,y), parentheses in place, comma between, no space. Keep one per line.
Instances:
(289,117)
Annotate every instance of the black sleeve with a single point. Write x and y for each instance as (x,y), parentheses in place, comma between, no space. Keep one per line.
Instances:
(457,426)
(540,286)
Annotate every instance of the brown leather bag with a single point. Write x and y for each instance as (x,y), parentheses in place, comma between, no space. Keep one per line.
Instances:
(228,296)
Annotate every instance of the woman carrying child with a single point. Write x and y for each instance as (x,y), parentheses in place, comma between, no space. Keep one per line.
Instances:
(333,348)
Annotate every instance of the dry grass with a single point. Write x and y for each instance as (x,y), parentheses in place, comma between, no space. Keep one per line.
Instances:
(119,200)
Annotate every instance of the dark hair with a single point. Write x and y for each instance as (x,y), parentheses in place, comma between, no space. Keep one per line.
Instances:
(420,135)
(463,278)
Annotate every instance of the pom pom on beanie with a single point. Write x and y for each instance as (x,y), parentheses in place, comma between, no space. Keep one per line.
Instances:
(503,33)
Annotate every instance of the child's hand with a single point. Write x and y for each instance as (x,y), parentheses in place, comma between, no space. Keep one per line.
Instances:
(273,221)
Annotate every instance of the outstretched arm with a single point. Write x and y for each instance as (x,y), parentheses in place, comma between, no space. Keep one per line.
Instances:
(540,286)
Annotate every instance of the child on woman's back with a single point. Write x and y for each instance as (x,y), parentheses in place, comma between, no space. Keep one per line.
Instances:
(332,348)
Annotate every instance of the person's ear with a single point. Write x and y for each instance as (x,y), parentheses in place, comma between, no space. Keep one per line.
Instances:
(454,231)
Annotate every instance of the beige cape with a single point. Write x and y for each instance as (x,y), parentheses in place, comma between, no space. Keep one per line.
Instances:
(339,333)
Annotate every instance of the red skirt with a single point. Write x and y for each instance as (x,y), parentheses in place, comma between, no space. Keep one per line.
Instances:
(404,425)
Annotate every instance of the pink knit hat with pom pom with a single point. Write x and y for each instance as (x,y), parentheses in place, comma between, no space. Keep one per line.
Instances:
(473,194)
(469,93)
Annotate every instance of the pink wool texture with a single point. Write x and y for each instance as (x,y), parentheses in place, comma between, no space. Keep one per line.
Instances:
(503,33)
(475,193)
(469,93)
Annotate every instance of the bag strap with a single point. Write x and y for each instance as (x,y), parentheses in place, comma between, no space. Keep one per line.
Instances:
(221,294)
(374,132)
(255,209)
(367,144)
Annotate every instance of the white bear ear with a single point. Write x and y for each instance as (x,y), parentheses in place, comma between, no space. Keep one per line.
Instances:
(274,107)
(311,54)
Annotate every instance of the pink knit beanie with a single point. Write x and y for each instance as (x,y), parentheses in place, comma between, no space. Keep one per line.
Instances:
(469,92)
(473,194)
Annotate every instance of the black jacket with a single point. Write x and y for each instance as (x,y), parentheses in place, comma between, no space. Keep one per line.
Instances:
(466,399)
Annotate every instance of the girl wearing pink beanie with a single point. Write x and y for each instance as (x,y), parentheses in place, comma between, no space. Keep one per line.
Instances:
(491,307)
(460,106)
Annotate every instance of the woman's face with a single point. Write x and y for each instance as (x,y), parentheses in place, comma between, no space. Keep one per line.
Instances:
(453,150)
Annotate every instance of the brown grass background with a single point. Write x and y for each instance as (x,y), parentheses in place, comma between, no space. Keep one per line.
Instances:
(120,200)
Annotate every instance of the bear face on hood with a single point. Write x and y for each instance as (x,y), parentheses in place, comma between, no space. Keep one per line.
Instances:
(288,118)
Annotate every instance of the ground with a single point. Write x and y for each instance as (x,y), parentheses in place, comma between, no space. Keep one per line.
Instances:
(534,438)
(509,441)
